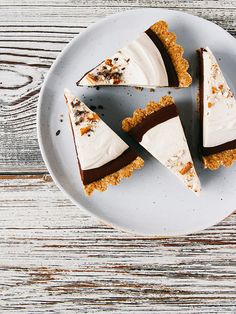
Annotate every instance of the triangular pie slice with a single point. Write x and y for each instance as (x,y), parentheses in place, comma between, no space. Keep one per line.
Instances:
(159,130)
(153,59)
(103,157)
(217,112)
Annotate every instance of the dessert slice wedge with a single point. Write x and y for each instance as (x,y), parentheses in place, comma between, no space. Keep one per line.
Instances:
(159,130)
(217,114)
(103,157)
(153,59)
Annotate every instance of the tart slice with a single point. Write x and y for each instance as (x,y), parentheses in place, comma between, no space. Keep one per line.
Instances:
(103,157)
(153,59)
(217,112)
(159,130)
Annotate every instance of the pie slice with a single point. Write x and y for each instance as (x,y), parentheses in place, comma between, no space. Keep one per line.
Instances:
(217,112)
(103,157)
(159,130)
(153,59)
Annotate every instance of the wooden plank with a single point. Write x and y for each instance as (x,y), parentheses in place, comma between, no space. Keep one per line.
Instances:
(216,4)
(84,16)
(54,257)
(31,36)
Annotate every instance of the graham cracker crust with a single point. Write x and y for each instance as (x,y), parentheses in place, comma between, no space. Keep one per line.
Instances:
(114,178)
(175,52)
(140,114)
(225,158)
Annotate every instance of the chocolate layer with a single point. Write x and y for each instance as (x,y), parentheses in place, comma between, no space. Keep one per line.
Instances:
(92,175)
(170,69)
(152,120)
(201,92)
(207,151)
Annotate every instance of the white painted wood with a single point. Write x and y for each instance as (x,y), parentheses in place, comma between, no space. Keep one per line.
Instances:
(55,258)
(32,33)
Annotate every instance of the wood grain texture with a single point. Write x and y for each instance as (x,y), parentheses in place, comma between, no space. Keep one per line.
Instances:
(54,258)
(32,33)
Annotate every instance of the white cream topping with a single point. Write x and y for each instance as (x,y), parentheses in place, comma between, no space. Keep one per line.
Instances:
(140,64)
(167,143)
(97,147)
(219,112)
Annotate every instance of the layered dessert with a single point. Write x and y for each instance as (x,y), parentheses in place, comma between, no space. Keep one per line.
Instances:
(103,157)
(159,130)
(153,59)
(217,112)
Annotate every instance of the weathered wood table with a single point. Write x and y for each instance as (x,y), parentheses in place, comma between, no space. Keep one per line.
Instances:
(55,258)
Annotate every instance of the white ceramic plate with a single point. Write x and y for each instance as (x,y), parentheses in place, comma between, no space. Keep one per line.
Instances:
(152,201)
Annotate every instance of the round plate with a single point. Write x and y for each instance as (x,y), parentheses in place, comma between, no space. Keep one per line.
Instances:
(152,201)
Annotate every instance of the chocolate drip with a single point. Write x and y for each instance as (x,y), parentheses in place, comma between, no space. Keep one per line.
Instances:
(170,69)
(92,175)
(152,120)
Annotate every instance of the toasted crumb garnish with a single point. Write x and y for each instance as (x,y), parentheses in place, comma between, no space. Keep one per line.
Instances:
(85,130)
(91,78)
(108,62)
(214,90)
(115,81)
(93,117)
(186,168)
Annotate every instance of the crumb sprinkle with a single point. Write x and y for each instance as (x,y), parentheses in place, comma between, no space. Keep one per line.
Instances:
(186,168)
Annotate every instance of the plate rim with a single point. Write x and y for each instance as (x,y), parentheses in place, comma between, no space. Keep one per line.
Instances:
(43,150)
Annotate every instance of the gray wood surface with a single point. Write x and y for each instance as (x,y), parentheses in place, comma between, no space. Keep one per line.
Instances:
(55,258)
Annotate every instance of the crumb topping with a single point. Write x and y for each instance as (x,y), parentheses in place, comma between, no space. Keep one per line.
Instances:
(85,130)
(118,69)
(110,71)
(219,105)
(91,78)
(218,89)
(83,117)
(184,169)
